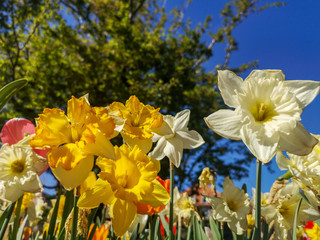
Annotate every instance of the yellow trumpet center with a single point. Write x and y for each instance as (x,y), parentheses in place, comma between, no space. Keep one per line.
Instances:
(262,112)
(17,166)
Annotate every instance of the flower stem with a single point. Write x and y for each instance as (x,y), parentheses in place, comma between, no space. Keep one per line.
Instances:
(257,224)
(171,235)
(75,215)
(17,218)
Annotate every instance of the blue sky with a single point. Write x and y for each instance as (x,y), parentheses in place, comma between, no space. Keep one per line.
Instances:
(286,38)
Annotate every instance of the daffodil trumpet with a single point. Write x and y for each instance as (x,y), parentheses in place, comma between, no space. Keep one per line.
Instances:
(123,182)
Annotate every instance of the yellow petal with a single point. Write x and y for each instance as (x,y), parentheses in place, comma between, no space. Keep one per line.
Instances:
(105,122)
(144,145)
(68,155)
(78,110)
(100,193)
(96,142)
(53,129)
(89,183)
(123,214)
(158,197)
(74,177)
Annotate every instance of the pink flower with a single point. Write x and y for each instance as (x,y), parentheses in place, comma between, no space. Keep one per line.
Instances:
(17,129)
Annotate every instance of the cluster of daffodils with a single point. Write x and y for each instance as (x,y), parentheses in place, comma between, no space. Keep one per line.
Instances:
(266,117)
(75,142)
(112,191)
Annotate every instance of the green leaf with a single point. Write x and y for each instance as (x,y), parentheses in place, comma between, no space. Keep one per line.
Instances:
(266,232)
(66,209)
(91,216)
(189,231)
(294,235)
(53,219)
(93,230)
(214,226)
(301,194)
(135,232)
(7,215)
(285,176)
(198,232)
(17,218)
(10,89)
(38,236)
(74,219)
(21,228)
(164,224)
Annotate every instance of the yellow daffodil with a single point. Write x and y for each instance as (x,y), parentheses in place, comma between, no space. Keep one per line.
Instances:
(206,178)
(18,172)
(74,139)
(312,229)
(141,121)
(129,179)
(267,112)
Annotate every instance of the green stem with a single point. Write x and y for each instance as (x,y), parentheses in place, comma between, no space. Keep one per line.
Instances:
(295,220)
(17,218)
(6,220)
(171,235)
(75,218)
(257,225)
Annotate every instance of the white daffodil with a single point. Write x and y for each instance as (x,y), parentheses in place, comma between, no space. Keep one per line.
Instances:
(19,168)
(267,112)
(305,170)
(282,211)
(232,207)
(174,136)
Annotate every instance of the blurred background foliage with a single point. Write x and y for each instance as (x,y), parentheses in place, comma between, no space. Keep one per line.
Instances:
(112,49)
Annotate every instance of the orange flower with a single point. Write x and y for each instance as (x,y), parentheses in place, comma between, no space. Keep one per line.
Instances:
(27,233)
(143,208)
(101,232)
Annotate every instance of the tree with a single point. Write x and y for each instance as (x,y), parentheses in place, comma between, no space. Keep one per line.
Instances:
(113,49)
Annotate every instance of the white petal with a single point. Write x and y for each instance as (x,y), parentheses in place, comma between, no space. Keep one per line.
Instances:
(181,120)
(261,146)
(282,161)
(238,226)
(33,185)
(164,130)
(226,123)
(10,194)
(299,141)
(304,90)
(266,74)
(173,151)
(158,151)
(229,83)
(268,212)
(190,139)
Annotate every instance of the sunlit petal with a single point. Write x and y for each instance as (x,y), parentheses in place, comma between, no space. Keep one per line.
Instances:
(305,91)
(100,193)
(229,83)
(123,214)
(299,141)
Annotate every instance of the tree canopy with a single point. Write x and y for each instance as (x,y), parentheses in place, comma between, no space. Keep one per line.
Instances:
(113,49)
